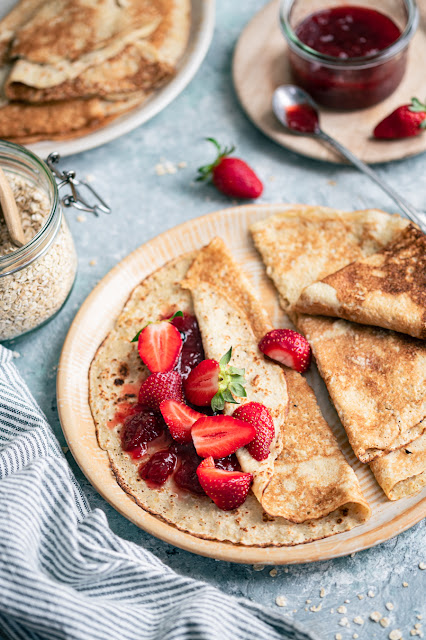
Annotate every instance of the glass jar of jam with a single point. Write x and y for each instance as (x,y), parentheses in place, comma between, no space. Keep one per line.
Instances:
(350,54)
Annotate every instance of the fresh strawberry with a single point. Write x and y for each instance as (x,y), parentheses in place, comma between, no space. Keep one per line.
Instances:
(227,489)
(213,383)
(258,415)
(232,176)
(288,347)
(218,436)
(160,344)
(179,418)
(406,121)
(158,387)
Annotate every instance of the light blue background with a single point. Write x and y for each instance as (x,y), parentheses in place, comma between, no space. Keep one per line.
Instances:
(145,204)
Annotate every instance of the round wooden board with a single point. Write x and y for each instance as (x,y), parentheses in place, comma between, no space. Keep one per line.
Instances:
(96,318)
(260,65)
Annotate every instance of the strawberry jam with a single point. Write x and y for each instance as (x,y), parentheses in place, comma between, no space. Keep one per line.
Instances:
(302,118)
(353,75)
(139,429)
(159,467)
(186,475)
(192,349)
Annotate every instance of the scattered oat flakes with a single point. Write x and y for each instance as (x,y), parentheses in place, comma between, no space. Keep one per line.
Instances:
(16,354)
(169,167)
(341,609)
(360,596)
(316,608)
(258,567)
(371,594)
(90,177)
(322,593)
(273,573)
(384,622)
(281,601)
(182,164)
(417,625)
(389,606)
(405,584)
(355,636)
(422,565)
(306,608)
(93,262)
(286,570)
(347,601)
(419,616)
(294,610)
(331,610)
(395,635)
(338,636)
(375,616)
(160,170)
(271,178)
(332,183)
(81,218)
(308,601)
(344,622)
(359,620)
(65,449)
(353,555)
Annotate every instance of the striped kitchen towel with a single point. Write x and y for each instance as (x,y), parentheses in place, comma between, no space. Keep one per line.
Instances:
(65,575)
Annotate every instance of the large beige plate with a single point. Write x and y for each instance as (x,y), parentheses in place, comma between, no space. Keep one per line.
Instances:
(92,323)
(261,65)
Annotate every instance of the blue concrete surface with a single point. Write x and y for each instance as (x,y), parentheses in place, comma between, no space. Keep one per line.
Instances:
(145,204)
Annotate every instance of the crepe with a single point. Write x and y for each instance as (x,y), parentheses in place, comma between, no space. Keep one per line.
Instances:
(115,376)
(72,66)
(402,473)
(386,289)
(376,378)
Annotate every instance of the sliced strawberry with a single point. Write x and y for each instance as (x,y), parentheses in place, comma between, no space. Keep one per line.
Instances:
(288,347)
(159,346)
(218,436)
(179,418)
(257,415)
(202,383)
(227,489)
(158,387)
(214,383)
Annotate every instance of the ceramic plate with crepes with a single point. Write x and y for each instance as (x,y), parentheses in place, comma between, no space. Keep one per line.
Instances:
(69,68)
(311,486)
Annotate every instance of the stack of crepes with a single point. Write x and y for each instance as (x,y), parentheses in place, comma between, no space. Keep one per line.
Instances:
(69,67)
(305,490)
(355,285)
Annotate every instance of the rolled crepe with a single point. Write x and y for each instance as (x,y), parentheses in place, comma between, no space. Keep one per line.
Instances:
(402,473)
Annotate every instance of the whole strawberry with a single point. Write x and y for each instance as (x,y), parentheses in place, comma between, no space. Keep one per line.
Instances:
(159,387)
(258,415)
(405,122)
(232,176)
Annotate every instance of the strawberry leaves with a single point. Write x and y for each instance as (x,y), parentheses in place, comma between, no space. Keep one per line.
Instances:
(418,107)
(231,382)
(207,170)
(175,315)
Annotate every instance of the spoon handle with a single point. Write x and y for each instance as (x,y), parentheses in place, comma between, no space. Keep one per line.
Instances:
(405,206)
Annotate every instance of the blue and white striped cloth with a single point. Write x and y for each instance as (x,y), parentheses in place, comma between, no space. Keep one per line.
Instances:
(65,575)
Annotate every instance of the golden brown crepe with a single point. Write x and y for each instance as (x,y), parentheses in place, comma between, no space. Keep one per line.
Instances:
(386,289)
(402,473)
(332,509)
(376,378)
(72,66)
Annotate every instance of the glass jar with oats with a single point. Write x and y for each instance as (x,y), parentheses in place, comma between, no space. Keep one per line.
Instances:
(35,279)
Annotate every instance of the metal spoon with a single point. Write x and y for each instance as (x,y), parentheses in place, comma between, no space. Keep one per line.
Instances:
(288,96)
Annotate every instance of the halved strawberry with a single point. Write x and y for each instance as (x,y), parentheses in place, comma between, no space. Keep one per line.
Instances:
(179,418)
(218,436)
(158,387)
(227,489)
(257,415)
(159,345)
(214,383)
(288,347)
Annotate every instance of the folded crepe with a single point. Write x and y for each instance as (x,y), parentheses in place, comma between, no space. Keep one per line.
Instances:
(386,289)
(376,378)
(115,375)
(402,473)
(299,479)
(71,66)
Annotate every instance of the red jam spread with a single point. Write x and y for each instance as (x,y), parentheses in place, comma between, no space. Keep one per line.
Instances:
(345,33)
(302,118)
(159,467)
(192,349)
(348,32)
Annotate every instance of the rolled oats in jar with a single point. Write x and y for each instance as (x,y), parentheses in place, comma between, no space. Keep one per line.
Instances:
(35,279)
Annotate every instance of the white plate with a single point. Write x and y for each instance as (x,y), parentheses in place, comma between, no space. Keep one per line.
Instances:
(203,19)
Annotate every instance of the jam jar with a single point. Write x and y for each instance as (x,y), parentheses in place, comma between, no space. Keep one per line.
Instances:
(35,279)
(348,55)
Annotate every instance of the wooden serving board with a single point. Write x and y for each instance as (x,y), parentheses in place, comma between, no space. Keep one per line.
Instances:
(261,64)
(97,317)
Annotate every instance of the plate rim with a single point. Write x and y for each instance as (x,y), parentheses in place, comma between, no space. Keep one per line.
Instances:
(331,547)
(161,99)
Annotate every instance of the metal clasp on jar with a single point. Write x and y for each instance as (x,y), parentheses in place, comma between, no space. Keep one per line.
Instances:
(75,198)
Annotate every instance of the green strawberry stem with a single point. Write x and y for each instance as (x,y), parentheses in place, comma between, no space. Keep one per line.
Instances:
(231,383)
(175,315)
(418,107)
(207,170)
